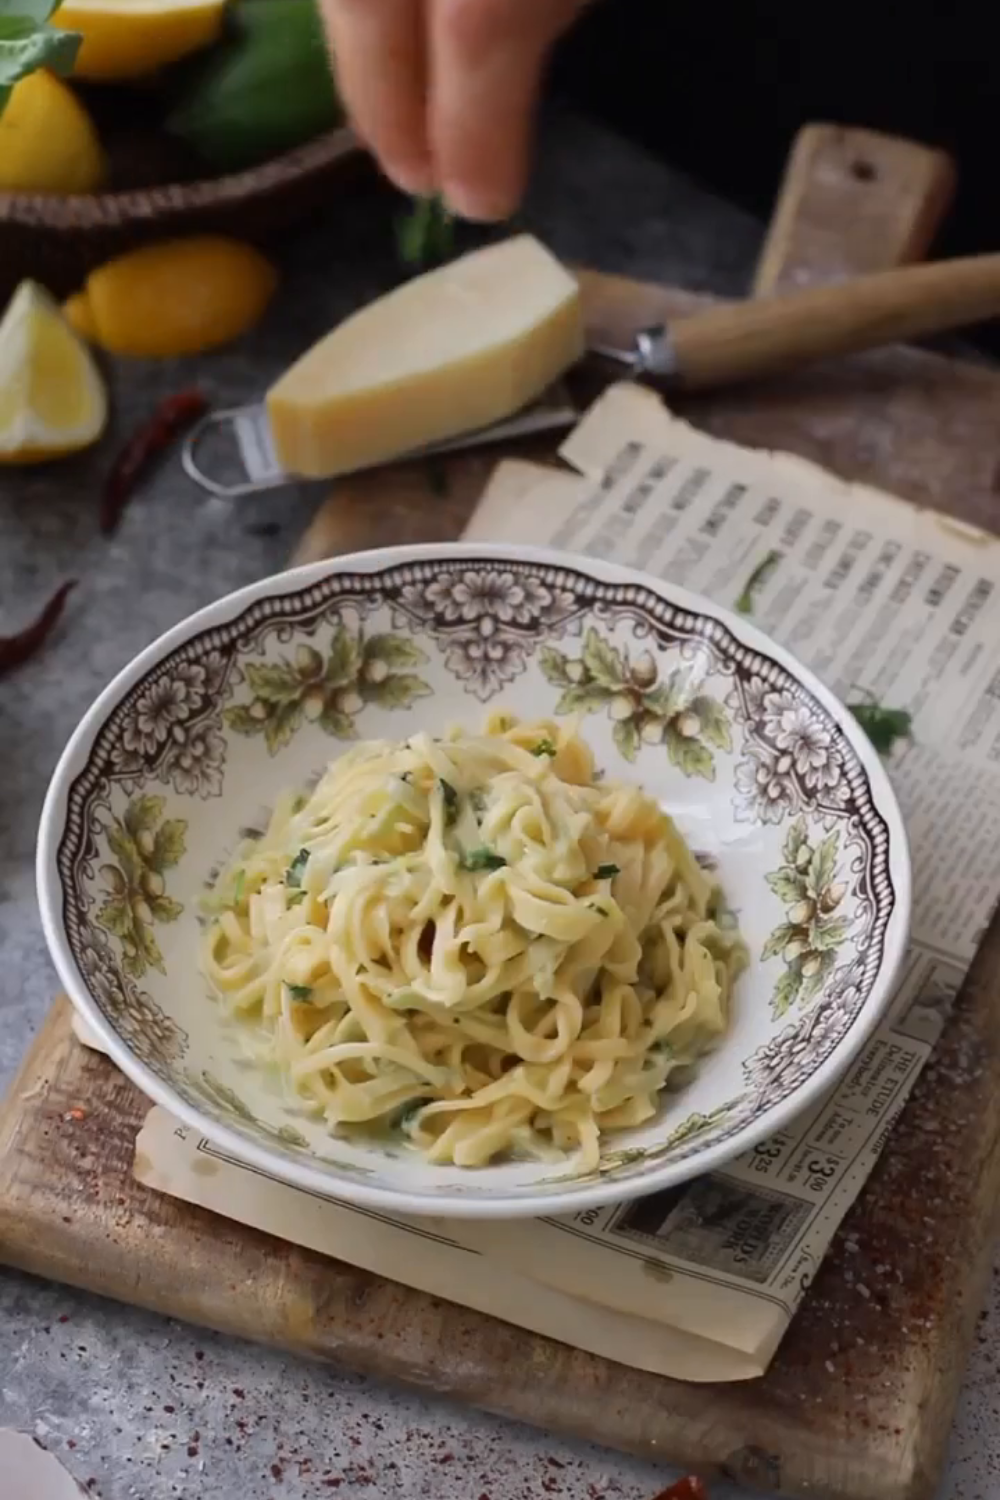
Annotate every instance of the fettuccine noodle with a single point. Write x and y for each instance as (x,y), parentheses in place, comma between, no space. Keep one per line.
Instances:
(474,941)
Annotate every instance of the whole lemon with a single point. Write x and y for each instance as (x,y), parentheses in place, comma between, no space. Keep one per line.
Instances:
(174,297)
(48,143)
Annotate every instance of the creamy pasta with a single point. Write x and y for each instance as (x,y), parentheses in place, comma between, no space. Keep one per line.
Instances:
(476,941)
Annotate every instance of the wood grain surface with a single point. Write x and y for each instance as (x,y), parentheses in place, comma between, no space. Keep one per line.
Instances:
(857,1404)
(891,193)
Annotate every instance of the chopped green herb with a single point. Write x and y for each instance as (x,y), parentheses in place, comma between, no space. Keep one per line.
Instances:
(238,888)
(482,859)
(883,726)
(294,873)
(405,1115)
(544,747)
(754,584)
(449,797)
(294,898)
(606,872)
(299,991)
(427,234)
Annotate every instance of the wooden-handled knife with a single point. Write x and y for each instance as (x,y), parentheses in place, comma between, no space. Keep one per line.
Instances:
(739,341)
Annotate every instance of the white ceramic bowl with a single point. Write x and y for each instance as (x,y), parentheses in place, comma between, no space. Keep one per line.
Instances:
(768,775)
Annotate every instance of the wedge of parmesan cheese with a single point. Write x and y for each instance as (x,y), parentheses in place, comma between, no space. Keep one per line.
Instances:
(453,350)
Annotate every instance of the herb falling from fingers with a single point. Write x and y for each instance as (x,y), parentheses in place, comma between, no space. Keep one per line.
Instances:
(152,438)
(16,649)
(426,235)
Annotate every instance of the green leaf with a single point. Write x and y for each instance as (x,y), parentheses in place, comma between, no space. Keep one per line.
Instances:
(169,844)
(344,659)
(242,721)
(602,660)
(164,909)
(299,991)
(747,597)
(295,898)
(482,859)
(149,947)
(115,916)
(786,992)
(690,756)
(823,865)
(883,726)
(37,11)
(143,813)
(293,875)
(273,682)
(544,747)
(626,736)
(584,698)
(280,728)
(553,665)
(788,885)
(26,46)
(714,721)
(396,691)
(121,844)
(797,838)
(828,936)
(778,940)
(396,651)
(341,726)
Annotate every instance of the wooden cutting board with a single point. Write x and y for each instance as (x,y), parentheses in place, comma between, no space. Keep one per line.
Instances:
(858,1403)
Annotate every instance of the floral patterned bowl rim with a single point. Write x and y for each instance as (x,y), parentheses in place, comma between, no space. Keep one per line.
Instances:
(827,1058)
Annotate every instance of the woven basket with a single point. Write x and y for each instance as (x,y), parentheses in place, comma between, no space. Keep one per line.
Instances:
(57,240)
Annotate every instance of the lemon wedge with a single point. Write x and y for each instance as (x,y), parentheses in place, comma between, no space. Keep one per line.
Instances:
(130,38)
(52,398)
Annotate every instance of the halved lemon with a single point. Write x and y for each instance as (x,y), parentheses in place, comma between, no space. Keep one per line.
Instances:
(52,397)
(130,38)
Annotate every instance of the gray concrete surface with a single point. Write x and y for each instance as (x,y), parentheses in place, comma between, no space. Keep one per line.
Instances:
(133,1405)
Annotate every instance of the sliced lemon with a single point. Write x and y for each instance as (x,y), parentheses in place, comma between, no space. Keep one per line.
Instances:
(130,38)
(173,297)
(48,143)
(52,397)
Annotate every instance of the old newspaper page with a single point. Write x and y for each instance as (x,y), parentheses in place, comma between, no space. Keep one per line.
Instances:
(887,604)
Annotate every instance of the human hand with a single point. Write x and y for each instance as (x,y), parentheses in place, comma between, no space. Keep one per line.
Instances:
(444,91)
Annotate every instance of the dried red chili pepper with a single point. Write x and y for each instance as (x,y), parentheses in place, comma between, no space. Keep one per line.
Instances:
(15,650)
(690,1488)
(167,422)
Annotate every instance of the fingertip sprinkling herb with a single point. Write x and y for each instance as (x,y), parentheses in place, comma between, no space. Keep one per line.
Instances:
(294,873)
(482,859)
(606,872)
(299,991)
(449,798)
(747,596)
(885,727)
(544,747)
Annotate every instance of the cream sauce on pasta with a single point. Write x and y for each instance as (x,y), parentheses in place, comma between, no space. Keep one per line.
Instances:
(474,939)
